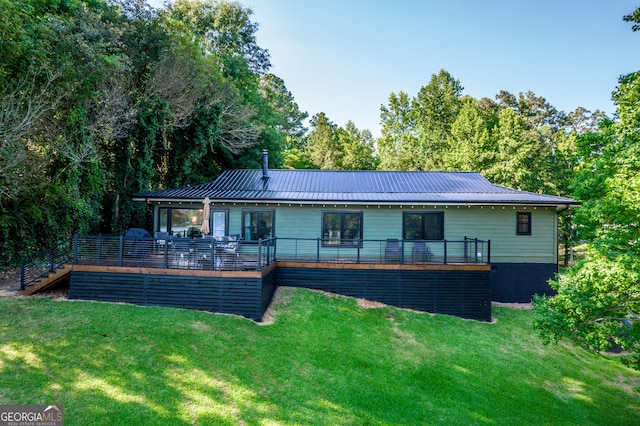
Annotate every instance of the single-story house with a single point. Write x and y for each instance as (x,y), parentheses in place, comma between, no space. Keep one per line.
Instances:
(378,217)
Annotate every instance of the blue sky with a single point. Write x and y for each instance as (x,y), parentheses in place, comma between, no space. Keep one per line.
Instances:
(345,58)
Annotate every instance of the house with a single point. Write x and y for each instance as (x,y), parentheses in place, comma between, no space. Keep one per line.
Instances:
(450,220)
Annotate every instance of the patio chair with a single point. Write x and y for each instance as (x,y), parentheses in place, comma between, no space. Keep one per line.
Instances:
(204,250)
(421,252)
(182,252)
(230,250)
(162,238)
(392,250)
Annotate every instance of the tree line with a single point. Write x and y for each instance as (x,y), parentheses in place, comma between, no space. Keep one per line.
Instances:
(101,99)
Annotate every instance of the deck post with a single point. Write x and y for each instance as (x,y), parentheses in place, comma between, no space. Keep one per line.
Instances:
(259,252)
(22,274)
(445,253)
(165,260)
(358,242)
(318,251)
(466,249)
(488,251)
(52,260)
(402,251)
(121,251)
(75,248)
(275,246)
(268,246)
(99,248)
(476,250)
(212,254)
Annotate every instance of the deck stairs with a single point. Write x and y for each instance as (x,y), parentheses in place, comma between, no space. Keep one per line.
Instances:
(56,278)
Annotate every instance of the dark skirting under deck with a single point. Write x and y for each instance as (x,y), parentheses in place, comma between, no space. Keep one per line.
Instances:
(461,290)
(518,282)
(241,293)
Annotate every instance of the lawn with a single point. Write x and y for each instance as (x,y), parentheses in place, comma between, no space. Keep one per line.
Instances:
(324,360)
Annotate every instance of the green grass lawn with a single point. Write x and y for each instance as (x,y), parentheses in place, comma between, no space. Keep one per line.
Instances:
(325,360)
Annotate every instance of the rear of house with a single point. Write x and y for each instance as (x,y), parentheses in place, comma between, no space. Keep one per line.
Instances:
(444,217)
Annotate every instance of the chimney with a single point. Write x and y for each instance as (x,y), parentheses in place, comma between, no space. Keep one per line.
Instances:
(265,164)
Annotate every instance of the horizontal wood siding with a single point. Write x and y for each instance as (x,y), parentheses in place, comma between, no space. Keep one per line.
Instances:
(268,289)
(455,292)
(499,226)
(518,282)
(453,289)
(241,296)
(495,223)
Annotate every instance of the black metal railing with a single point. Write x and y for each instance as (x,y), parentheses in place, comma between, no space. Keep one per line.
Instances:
(45,262)
(466,251)
(210,254)
(172,253)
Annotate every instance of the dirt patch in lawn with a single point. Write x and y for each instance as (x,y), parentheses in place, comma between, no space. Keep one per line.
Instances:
(513,305)
(9,281)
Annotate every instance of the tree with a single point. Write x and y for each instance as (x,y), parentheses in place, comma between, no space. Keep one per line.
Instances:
(398,133)
(471,143)
(598,303)
(357,147)
(415,131)
(285,123)
(287,117)
(511,160)
(322,146)
(434,109)
(103,98)
(296,158)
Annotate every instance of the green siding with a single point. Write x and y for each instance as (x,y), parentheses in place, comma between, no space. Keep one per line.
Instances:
(497,224)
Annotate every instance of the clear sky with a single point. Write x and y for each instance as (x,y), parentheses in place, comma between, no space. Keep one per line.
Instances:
(345,57)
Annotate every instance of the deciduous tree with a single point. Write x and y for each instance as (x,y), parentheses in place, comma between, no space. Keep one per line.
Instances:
(598,302)
(357,147)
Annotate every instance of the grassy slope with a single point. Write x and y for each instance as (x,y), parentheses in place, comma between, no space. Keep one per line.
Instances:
(325,360)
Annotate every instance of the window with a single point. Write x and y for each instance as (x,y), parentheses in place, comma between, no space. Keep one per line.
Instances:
(423,226)
(187,222)
(341,228)
(180,222)
(523,225)
(258,224)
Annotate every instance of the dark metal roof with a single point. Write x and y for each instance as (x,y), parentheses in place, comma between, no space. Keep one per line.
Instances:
(306,186)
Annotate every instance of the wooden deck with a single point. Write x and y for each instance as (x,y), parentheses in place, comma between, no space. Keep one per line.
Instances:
(385,266)
(113,269)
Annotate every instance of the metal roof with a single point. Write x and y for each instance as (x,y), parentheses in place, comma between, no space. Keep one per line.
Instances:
(307,186)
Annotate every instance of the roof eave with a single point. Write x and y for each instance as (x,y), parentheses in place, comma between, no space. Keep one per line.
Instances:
(554,203)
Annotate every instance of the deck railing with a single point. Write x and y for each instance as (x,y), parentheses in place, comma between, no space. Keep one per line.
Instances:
(174,253)
(209,254)
(465,251)
(46,262)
